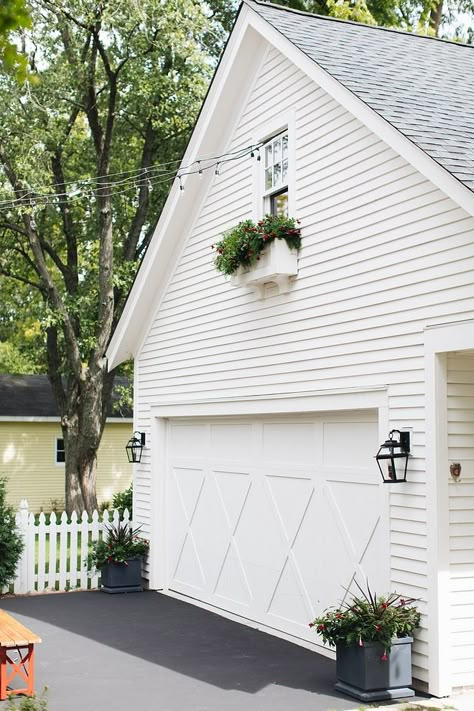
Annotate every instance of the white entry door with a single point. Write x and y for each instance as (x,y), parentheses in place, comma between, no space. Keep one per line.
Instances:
(271,518)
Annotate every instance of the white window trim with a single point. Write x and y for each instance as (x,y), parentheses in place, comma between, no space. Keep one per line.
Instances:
(56,440)
(285,121)
(269,193)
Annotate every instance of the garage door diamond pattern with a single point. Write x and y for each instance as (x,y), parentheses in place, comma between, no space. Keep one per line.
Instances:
(291,497)
(266,534)
(233,489)
(232,583)
(189,484)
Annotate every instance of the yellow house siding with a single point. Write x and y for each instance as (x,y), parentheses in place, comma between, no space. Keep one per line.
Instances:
(114,473)
(27,460)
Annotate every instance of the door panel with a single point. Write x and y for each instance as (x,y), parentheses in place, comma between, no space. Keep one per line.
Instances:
(271,518)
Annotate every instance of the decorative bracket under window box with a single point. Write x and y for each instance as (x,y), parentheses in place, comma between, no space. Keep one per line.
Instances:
(276,265)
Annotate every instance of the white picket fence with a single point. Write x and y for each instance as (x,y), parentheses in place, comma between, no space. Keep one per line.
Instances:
(55,551)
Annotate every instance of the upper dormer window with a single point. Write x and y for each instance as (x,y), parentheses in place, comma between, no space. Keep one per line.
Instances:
(276,174)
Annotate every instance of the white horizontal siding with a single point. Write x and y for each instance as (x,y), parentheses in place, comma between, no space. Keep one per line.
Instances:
(385,254)
(461,517)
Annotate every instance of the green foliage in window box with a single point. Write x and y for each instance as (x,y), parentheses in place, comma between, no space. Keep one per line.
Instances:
(123,543)
(368,618)
(11,542)
(242,245)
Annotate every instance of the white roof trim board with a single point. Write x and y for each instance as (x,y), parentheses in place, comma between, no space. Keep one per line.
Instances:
(417,100)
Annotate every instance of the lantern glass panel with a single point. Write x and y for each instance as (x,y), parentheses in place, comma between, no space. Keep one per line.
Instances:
(388,468)
(134,450)
(393,467)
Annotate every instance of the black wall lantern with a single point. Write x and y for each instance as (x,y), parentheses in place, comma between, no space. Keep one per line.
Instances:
(135,446)
(392,457)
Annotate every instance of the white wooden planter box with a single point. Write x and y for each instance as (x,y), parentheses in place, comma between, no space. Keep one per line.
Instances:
(276,265)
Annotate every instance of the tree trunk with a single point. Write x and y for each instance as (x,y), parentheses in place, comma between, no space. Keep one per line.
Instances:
(436,16)
(82,431)
(73,494)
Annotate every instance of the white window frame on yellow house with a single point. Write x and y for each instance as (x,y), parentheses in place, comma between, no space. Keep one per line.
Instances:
(58,450)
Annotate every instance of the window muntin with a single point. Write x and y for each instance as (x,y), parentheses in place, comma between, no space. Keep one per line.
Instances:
(60,452)
(276,162)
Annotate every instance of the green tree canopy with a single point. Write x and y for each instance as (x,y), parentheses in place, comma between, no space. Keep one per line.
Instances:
(13,15)
(451,19)
(87,155)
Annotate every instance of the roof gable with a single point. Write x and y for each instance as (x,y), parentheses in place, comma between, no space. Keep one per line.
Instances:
(422,86)
(259,26)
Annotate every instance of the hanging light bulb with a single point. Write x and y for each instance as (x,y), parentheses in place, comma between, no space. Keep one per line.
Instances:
(216,172)
(181,186)
(33,210)
(259,157)
(199,169)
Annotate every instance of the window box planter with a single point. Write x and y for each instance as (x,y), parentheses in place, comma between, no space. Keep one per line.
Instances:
(362,674)
(122,577)
(276,265)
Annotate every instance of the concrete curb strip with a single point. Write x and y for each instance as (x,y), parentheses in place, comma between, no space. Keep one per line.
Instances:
(460,702)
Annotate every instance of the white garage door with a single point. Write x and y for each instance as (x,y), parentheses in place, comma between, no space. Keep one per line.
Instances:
(271,518)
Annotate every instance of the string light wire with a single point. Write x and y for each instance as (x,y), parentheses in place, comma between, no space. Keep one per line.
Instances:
(151,177)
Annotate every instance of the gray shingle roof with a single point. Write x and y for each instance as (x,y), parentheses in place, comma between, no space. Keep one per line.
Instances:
(422,86)
(31,396)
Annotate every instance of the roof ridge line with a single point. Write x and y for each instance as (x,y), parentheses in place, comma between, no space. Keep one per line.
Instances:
(305,13)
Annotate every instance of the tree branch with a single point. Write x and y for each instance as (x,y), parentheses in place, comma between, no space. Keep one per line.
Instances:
(111,104)
(23,280)
(42,270)
(54,368)
(24,255)
(14,227)
(91,105)
(70,273)
(54,297)
(130,247)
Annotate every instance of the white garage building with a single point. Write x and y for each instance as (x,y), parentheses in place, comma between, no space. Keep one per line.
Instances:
(263,408)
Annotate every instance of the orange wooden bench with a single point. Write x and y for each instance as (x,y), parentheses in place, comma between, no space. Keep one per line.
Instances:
(16,640)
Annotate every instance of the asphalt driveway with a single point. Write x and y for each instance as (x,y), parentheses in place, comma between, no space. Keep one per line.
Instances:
(149,652)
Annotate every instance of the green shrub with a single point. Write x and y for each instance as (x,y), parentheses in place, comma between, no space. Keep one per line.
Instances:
(11,542)
(104,506)
(124,500)
(31,703)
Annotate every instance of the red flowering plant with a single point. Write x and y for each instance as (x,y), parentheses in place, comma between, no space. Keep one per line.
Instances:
(368,618)
(120,544)
(242,245)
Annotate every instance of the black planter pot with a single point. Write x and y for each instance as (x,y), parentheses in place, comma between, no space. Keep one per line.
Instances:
(122,577)
(361,673)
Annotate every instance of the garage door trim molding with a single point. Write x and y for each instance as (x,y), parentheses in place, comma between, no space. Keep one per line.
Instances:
(374,398)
